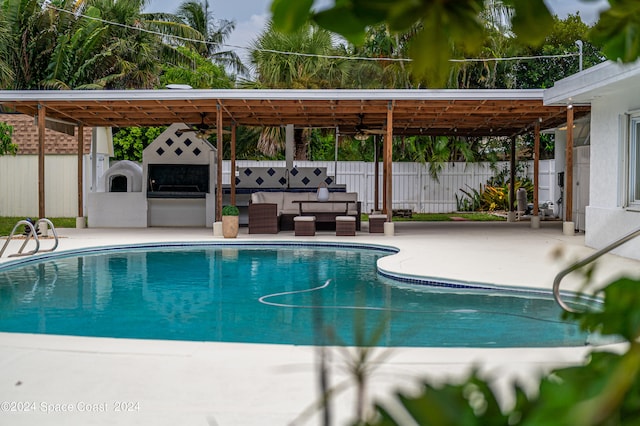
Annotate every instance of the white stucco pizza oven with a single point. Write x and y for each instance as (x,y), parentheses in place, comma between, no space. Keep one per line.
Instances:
(174,186)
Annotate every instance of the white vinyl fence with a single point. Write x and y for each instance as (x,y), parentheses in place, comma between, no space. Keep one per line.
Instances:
(19,185)
(413,188)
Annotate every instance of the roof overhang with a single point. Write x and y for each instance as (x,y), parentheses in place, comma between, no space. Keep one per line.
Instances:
(415,112)
(605,79)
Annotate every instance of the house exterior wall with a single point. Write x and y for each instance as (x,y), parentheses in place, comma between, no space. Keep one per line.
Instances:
(613,91)
(607,217)
(581,181)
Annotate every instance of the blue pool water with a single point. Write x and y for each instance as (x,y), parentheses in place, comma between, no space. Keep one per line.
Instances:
(277,294)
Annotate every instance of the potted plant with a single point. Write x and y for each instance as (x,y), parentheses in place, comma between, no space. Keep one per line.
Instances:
(230,222)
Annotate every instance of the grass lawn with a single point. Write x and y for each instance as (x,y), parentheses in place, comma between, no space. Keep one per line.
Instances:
(446,217)
(7,224)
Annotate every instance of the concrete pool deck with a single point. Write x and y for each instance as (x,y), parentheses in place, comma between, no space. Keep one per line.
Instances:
(96,381)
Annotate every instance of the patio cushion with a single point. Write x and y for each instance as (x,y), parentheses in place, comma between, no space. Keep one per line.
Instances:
(345,196)
(268,198)
(288,206)
(284,201)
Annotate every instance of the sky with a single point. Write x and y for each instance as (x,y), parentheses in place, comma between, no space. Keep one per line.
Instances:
(250,16)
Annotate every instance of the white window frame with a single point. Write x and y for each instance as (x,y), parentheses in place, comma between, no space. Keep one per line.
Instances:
(633,163)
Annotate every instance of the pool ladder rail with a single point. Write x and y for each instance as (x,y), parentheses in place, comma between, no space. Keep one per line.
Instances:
(31,234)
(583,262)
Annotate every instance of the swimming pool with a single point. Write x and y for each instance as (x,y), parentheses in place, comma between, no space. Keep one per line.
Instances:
(283,294)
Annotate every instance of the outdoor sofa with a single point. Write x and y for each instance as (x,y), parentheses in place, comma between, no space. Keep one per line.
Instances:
(271,212)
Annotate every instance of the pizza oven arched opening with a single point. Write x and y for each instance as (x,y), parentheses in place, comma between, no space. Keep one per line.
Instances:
(118,183)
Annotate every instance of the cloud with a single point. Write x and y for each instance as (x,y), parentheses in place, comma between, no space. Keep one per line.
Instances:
(245,33)
(589,10)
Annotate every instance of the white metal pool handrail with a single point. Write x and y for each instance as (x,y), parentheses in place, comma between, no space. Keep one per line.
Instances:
(53,229)
(586,261)
(31,234)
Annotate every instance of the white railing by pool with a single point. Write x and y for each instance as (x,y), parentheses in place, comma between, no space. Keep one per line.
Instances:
(584,262)
(32,233)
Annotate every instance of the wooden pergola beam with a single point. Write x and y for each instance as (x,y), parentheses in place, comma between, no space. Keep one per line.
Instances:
(536,167)
(388,161)
(219,164)
(233,164)
(42,117)
(568,175)
(80,168)
(512,175)
(437,116)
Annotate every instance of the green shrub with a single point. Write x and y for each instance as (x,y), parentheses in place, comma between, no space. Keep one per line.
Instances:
(470,201)
(230,211)
(6,145)
(491,197)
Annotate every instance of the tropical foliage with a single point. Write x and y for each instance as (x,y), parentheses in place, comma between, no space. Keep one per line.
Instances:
(91,44)
(564,38)
(494,194)
(50,48)
(441,27)
(129,142)
(197,15)
(489,198)
(201,73)
(310,68)
(6,145)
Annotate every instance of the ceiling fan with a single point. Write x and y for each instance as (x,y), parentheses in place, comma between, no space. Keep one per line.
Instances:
(363,132)
(202,129)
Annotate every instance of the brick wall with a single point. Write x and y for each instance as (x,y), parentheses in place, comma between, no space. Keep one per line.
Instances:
(25,135)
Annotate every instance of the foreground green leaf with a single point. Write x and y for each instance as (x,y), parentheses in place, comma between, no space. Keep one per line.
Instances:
(621,313)
(532,21)
(618,30)
(289,16)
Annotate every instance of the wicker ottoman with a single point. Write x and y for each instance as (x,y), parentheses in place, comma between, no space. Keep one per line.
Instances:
(304,226)
(345,226)
(376,223)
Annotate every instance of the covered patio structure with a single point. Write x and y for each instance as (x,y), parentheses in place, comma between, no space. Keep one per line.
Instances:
(459,113)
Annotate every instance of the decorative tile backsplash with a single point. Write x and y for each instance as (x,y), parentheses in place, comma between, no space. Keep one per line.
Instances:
(281,178)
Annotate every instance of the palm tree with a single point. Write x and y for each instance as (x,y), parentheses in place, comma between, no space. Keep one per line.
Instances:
(30,39)
(391,70)
(6,73)
(203,75)
(139,42)
(87,44)
(197,15)
(79,52)
(498,43)
(307,69)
